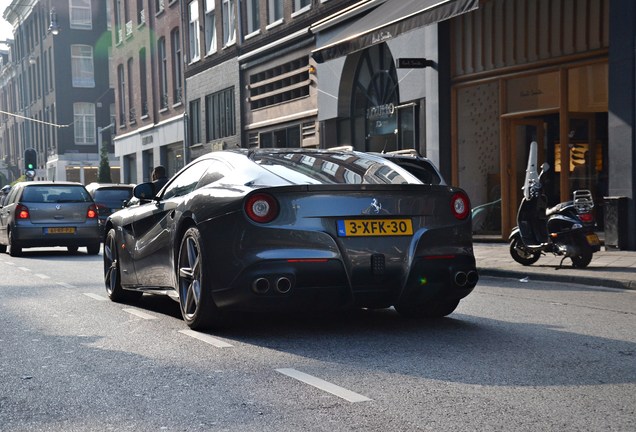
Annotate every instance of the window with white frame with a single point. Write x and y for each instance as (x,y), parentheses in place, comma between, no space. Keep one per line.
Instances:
(84,125)
(193,29)
(252,15)
(82,69)
(80,14)
(163,72)
(177,72)
(121,85)
(229,22)
(275,11)
(210,27)
(301,5)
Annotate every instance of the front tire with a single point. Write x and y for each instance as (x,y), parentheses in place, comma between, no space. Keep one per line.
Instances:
(195,297)
(519,253)
(112,273)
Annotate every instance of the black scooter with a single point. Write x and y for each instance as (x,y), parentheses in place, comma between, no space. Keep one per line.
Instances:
(565,230)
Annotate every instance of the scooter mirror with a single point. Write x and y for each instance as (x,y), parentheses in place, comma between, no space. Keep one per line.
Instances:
(545,167)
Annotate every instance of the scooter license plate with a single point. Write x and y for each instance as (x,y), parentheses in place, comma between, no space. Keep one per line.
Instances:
(592,239)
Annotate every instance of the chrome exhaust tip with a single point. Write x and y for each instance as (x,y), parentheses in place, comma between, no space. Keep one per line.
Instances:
(260,285)
(472,277)
(460,278)
(283,285)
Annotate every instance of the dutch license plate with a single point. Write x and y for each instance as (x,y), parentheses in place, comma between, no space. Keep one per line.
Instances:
(592,239)
(374,227)
(60,230)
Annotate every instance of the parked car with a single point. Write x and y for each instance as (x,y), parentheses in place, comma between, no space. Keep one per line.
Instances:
(109,197)
(44,214)
(270,229)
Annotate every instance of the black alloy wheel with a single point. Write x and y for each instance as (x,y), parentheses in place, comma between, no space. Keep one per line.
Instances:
(522,255)
(112,273)
(195,299)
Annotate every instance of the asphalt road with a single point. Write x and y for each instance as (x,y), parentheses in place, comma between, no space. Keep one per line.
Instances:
(514,357)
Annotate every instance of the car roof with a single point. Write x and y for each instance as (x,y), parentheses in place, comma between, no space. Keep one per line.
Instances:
(48,183)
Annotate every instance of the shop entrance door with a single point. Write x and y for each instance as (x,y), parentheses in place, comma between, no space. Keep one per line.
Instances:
(519,134)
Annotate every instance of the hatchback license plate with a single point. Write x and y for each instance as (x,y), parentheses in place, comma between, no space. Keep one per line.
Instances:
(374,227)
(592,239)
(60,230)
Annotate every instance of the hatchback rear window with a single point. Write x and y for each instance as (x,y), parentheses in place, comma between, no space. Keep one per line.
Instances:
(55,194)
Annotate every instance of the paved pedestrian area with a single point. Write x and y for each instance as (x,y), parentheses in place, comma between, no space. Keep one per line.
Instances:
(609,268)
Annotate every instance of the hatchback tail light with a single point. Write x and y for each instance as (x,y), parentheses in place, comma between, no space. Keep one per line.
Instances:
(22,212)
(460,205)
(91,213)
(261,207)
(586,217)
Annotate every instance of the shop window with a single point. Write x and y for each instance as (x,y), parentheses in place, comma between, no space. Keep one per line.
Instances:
(281,138)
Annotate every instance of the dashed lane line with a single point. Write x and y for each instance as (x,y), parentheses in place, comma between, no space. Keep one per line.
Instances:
(65,285)
(26,269)
(323,385)
(139,314)
(218,343)
(95,296)
(42,276)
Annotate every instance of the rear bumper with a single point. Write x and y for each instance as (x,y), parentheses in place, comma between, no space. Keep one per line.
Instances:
(324,284)
(35,236)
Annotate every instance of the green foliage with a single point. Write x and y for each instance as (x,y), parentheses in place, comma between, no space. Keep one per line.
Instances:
(103,175)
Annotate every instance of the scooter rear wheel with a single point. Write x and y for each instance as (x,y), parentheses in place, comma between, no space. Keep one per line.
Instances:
(582,260)
(522,255)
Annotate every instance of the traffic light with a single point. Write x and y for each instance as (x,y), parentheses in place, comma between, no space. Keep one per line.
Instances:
(30,162)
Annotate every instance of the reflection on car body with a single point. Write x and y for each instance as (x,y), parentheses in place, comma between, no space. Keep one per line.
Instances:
(268,229)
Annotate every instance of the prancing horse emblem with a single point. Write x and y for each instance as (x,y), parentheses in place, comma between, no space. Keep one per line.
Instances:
(376,206)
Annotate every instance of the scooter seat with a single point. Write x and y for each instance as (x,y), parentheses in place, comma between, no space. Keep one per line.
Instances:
(557,208)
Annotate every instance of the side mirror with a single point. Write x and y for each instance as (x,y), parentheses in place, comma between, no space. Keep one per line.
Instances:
(144,191)
(545,167)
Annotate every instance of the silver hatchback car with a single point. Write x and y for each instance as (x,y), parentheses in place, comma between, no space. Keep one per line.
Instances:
(44,214)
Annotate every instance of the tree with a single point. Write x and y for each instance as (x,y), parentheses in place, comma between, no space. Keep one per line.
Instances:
(103,176)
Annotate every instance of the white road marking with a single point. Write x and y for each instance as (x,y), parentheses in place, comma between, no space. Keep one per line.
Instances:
(65,285)
(25,269)
(324,385)
(42,276)
(139,314)
(218,343)
(95,296)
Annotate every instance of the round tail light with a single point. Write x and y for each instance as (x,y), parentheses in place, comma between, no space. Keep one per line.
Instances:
(460,205)
(92,212)
(22,212)
(261,207)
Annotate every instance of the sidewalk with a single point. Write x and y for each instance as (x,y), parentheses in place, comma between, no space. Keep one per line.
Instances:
(613,268)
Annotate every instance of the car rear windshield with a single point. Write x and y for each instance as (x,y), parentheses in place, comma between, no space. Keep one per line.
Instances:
(55,194)
(333,168)
(113,194)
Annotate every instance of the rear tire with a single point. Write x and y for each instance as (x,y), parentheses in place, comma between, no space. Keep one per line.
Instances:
(112,273)
(432,309)
(519,253)
(585,257)
(71,249)
(3,248)
(93,249)
(15,250)
(195,296)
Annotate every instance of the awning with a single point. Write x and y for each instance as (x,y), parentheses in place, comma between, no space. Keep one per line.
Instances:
(390,20)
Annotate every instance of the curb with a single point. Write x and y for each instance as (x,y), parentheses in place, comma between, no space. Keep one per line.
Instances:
(581,280)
